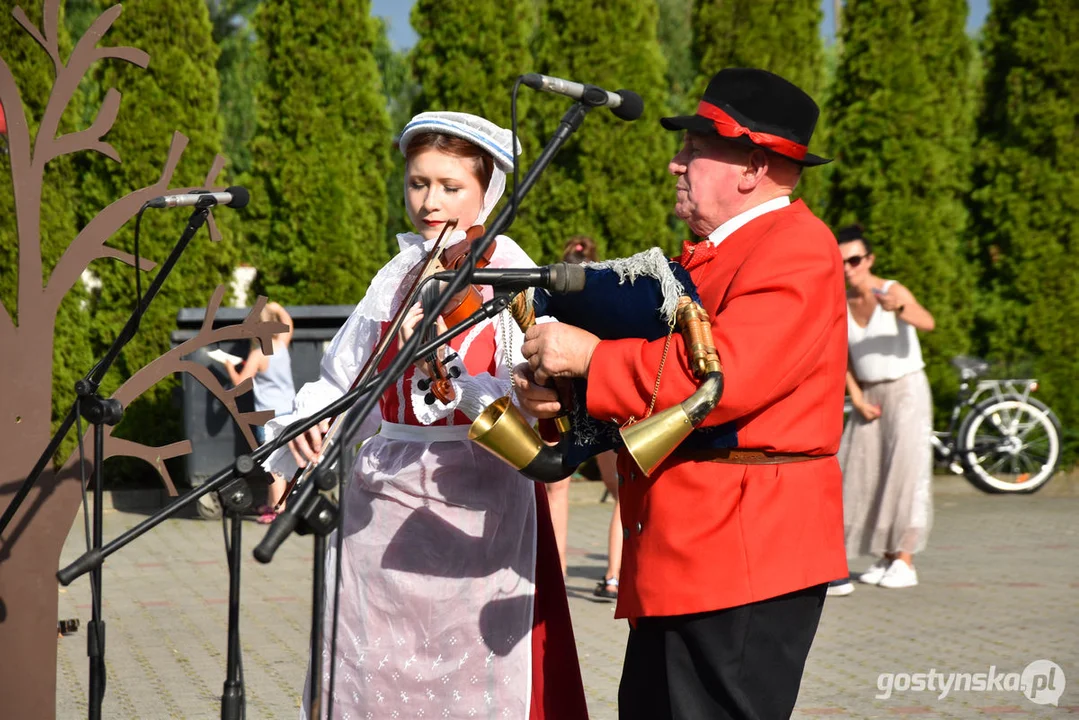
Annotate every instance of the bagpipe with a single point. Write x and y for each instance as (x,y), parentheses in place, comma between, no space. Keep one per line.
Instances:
(643,296)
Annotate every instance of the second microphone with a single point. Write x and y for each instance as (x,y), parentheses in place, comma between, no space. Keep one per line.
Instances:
(558,279)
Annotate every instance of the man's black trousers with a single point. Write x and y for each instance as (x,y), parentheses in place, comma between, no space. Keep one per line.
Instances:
(741,663)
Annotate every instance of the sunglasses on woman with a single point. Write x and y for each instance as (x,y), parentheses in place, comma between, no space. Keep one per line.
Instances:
(854,260)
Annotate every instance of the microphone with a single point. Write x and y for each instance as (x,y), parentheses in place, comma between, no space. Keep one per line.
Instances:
(234,196)
(557,279)
(625,104)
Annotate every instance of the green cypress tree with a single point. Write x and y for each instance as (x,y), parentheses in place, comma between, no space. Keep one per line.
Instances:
(1024,211)
(79,14)
(901,132)
(781,36)
(675,25)
(400,90)
(239,73)
(466,60)
(321,152)
(178,92)
(469,54)
(610,180)
(34,72)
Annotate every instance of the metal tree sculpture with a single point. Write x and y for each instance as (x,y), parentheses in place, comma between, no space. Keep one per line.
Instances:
(30,547)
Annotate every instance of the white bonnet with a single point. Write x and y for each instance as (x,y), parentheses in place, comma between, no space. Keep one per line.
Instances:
(479,131)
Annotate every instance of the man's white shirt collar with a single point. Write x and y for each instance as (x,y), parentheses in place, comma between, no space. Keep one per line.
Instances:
(722,232)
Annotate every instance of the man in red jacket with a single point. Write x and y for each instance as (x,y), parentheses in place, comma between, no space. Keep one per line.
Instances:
(730,544)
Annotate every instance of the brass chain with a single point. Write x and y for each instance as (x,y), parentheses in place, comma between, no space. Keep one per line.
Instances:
(659,375)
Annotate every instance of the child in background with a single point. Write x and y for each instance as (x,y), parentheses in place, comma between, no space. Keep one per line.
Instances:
(273,388)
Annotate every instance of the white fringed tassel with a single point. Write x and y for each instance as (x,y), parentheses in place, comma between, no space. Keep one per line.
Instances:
(650,263)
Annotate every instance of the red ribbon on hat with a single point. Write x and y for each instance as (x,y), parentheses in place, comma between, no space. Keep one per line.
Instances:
(728,127)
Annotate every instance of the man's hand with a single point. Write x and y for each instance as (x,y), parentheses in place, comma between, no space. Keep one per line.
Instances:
(538,401)
(558,350)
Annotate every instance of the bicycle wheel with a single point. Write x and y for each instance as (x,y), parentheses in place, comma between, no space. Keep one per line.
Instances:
(1009,445)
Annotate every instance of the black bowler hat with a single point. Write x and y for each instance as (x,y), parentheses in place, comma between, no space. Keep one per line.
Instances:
(756,108)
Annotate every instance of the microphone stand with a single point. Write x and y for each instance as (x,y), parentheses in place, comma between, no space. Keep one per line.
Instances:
(309,512)
(93,378)
(101,412)
(318,516)
(235,499)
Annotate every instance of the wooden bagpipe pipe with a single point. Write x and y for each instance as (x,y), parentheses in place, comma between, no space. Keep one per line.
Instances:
(644,296)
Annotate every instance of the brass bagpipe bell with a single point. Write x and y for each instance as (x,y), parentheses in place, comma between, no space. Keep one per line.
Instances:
(653,439)
(644,296)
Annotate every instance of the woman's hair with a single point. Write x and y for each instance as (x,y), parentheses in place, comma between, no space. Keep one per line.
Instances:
(850,233)
(483,164)
(579,249)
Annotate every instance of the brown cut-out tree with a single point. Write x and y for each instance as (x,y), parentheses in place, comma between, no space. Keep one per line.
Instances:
(31,544)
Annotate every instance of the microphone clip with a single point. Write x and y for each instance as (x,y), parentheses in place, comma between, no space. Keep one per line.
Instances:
(593,96)
(208,200)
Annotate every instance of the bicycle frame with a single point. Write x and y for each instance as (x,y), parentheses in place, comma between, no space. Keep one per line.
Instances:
(944,442)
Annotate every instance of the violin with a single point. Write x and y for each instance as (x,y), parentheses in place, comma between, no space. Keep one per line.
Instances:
(428,266)
(459,308)
(469,299)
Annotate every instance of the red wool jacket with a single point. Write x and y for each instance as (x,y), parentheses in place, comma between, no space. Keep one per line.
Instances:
(703,536)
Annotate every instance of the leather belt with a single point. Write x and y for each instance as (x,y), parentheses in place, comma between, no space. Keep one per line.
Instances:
(738,456)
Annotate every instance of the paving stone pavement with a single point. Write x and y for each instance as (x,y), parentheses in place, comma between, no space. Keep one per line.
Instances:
(999,589)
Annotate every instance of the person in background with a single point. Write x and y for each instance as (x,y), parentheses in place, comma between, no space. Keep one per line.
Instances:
(885,453)
(273,388)
(582,249)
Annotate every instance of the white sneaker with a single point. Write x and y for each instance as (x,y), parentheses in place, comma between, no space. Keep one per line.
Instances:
(875,573)
(899,575)
(839,588)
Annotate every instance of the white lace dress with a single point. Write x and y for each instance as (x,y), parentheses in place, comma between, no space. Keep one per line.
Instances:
(439,536)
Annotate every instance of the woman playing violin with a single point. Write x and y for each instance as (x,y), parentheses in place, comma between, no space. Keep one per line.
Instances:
(452,601)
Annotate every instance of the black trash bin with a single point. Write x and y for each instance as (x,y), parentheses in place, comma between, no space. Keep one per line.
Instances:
(215,438)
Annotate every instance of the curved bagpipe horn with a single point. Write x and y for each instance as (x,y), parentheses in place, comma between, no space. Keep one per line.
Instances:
(644,296)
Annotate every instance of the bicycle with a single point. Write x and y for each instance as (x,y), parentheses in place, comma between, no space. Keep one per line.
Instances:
(999,438)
